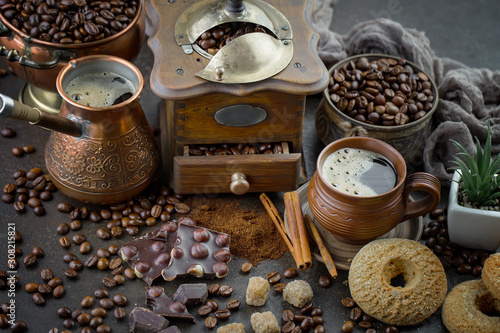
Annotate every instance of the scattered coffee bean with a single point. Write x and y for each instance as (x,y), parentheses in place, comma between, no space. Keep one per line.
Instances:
(37,251)
(54,282)
(8,132)
(85,248)
(120,300)
(246,267)
(78,239)
(348,327)
(120,313)
(29,260)
(278,287)
(102,263)
(64,312)
(38,299)
(274,277)
(31,287)
(64,207)
(96,322)
(115,263)
(113,249)
(307,324)
(87,301)
(59,292)
(99,312)
(225,290)
(348,302)
(391,329)
(290,273)
(213,289)
(19,326)
(106,303)
(64,241)
(76,265)
(306,309)
(108,282)
(101,293)
(103,329)
(84,319)
(210,322)
(317,312)
(44,289)
(17,151)
(71,274)
(91,261)
(69,257)
(212,304)
(223,314)
(356,314)
(46,274)
(233,304)
(287,315)
(63,229)
(75,225)
(204,310)
(129,273)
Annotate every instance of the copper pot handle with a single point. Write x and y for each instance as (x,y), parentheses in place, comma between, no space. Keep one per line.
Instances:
(421,181)
(13,55)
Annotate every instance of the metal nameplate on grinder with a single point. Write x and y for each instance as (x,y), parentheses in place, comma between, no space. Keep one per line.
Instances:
(240,115)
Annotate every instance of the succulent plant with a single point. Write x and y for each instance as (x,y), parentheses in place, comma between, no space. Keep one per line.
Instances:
(479,174)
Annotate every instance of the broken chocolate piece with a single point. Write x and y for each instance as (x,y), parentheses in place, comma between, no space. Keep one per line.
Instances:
(198,252)
(191,294)
(142,320)
(164,306)
(150,254)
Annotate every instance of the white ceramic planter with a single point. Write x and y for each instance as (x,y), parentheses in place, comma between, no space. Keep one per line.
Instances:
(469,227)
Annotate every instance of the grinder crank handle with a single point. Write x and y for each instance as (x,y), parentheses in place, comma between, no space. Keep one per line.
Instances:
(16,110)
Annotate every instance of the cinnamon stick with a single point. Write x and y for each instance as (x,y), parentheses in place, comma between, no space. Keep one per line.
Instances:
(302,239)
(280,225)
(327,258)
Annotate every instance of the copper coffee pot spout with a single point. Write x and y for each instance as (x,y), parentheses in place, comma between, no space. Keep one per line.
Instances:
(16,110)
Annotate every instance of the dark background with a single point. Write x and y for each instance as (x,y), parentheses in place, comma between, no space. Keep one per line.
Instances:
(466,31)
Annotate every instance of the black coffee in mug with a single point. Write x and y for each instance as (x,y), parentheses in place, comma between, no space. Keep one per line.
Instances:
(359,172)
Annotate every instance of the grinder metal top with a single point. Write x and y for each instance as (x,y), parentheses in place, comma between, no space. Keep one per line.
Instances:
(283,59)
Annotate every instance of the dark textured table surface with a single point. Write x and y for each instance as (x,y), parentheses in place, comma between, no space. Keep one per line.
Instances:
(466,31)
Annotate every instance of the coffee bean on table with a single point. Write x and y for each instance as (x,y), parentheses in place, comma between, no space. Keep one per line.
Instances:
(84,319)
(65,242)
(71,274)
(99,312)
(59,291)
(108,282)
(233,304)
(4,321)
(19,326)
(76,265)
(106,303)
(279,287)
(75,225)
(54,282)
(273,277)
(306,309)
(17,151)
(44,289)
(210,322)
(37,251)
(69,257)
(225,290)
(85,248)
(31,287)
(287,315)
(38,299)
(356,314)
(19,206)
(212,304)
(103,329)
(348,327)
(120,313)
(348,302)
(288,327)
(76,313)
(78,239)
(290,273)
(46,274)
(8,132)
(213,289)
(64,312)
(91,261)
(113,249)
(103,263)
(87,301)
(29,260)
(120,300)
(204,310)
(64,207)
(63,229)
(307,324)
(129,273)
(101,293)
(246,267)
(316,312)
(223,314)
(39,211)
(96,322)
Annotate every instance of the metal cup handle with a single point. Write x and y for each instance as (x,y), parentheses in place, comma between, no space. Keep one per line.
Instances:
(13,55)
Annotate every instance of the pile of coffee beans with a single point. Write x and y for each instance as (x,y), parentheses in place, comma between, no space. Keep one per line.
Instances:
(464,261)
(383,92)
(97,307)
(236,149)
(69,21)
(51,286)
(364,321)
(29,188)
(214,39)
(309,318)
(211,306)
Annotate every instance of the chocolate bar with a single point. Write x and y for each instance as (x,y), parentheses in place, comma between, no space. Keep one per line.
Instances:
(191,294)
(199,252)
(142,320)
(164,306)
(150,254)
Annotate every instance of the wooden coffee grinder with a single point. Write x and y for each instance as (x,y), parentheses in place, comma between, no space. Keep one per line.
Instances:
(251,89)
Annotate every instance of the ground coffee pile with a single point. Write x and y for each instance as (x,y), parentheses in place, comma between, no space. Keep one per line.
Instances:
(253,234)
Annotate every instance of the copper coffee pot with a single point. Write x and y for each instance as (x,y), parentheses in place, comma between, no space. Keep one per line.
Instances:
(98,155)
(38,62)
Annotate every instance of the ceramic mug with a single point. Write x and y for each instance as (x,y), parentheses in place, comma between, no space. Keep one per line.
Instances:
(360,219)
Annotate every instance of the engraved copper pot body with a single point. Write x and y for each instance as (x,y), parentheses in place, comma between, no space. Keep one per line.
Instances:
(38,62)
(116,156)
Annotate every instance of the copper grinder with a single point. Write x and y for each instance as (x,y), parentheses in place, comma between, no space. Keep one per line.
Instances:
(251,90)
(38,62)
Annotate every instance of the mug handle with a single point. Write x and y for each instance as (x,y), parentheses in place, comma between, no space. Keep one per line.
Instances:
(421,181)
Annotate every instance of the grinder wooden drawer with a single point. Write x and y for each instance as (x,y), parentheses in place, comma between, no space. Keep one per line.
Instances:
(212,174)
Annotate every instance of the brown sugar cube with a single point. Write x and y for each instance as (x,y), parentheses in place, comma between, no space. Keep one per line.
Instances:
(298,293)
(257,291)
(232,328)
(264,322)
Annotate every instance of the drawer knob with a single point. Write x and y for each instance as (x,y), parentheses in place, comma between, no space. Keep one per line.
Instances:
(239,184)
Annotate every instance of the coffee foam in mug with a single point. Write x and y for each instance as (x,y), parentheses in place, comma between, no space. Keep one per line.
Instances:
(98,89)
(359,172)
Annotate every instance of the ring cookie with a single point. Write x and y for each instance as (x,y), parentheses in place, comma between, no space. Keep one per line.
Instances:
(491,274)
(378,262)
(466,309)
